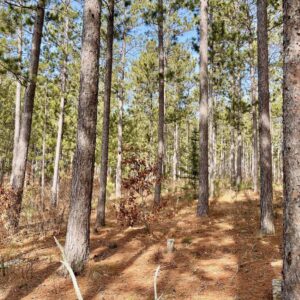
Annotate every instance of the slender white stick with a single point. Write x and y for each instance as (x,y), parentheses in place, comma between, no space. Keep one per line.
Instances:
(155,280)
(68,267)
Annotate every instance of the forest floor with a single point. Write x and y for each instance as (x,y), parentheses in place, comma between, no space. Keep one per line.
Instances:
(222,256)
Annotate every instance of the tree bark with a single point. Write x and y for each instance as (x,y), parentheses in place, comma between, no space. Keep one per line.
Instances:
(60,123)
(202,208)
(1,170)
(291,146)
(18,173)
(44,152)
(175,152)
(265,146)
(212,145)
(18,100)
(78,230)
(239,155)
(120,121)
(100,219)
(232,159)
(239,160)
(161,104)
(254,131)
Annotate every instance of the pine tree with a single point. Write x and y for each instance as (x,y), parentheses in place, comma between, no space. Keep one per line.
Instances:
(161,100)
(60,123)
(291,145)
(202,209)
(100,219)
(266,190)
(78,230)
(18,173)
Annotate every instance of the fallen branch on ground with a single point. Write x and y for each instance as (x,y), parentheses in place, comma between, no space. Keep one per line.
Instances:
(155,283)
(68,267)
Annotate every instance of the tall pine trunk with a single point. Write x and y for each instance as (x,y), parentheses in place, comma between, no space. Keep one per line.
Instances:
(120,121)
(2,163)
(175,152)
(291,146)
(239,154)
(212,145)
(232,159)
(60,123)
(78,230)
(18,99)
(254,131)
(44,151)
(20,159)
(100,219)
(161,104)
(202,209)
(265,147)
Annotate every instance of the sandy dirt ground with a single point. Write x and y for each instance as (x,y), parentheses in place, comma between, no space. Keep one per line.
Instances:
(221,257)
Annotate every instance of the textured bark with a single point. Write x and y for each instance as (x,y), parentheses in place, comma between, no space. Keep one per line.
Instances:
(18,173)
(60,123)
(100,219)
(18,100)
(120,121)
(239,159)
(161,104)
(265,146)
(202,208)
(78,230)
(175,152)
(232,159)
(254,131)
(212,145)
(239,153)
(1,170)
(44,153)
(291,146)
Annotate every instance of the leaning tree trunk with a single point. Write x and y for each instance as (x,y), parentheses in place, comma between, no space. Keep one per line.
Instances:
(265,147)
(100,219)
(120,121)
(202,209)
(161,105)
(78,230)
(254,131)
(60,124)
(291,146)
(18,99)
(18,173)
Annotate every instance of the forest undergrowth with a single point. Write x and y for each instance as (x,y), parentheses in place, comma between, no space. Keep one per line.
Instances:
(222,256)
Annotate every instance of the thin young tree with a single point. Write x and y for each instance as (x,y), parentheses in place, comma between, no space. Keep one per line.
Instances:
(239,135)
(254,131)
(20,159)
(291,146)
(18,97)
(161,103)
(265,147)
(100,218)
(78,230)
(202,208)
(60,123)
(175,152)
(44,149)
(2,161)
(120,117)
